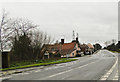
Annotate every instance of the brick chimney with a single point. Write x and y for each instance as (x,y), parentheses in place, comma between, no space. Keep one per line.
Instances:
(62,41)
(76,39)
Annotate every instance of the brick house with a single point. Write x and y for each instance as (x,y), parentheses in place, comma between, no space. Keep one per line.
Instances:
(63,49)
(91,48)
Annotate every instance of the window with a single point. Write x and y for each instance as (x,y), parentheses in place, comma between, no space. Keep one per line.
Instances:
(73,54)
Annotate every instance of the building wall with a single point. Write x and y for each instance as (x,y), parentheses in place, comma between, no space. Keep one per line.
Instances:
(74,53)
(77,47)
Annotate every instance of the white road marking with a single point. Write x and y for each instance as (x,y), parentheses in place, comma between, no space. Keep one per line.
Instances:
(37,71)
(86,65)
(60,73)
(108,73)
(25,73)
(104,77)
(68,70)
(61,65)
(3,78)
(52,68)
(116,76)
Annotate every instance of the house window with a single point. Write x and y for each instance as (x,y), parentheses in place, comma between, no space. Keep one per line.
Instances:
(73,54)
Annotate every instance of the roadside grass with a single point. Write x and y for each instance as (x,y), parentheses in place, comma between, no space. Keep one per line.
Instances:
(115,51)
(15,64)
(63,60)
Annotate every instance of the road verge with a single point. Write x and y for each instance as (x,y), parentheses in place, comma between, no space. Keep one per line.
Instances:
(39,64)
(20,69)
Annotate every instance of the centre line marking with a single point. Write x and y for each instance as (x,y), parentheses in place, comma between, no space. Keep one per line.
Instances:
(69,70)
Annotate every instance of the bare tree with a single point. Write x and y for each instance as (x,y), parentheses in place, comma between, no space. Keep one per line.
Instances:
(21,26)
(21,39)
(4,29)
(13,27)
(106,43)
(40,38)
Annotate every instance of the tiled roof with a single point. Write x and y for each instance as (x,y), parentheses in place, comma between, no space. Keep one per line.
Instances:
(65,48)
(83,47)
(90,45)
(68,46)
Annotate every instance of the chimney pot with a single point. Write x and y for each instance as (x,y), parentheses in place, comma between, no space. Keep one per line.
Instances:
(62,41)
(77,39)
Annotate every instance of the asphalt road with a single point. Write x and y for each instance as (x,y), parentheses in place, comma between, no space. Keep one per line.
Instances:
(100,66)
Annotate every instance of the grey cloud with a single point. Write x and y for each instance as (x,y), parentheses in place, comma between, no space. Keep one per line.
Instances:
(93,21)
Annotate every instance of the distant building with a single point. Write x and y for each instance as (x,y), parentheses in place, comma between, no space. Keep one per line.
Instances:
(84,49)
(63,49)
(91,48)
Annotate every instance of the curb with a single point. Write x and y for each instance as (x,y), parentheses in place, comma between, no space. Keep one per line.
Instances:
(3,74)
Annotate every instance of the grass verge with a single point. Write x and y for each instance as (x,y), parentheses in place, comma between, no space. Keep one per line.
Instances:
(114,51)
(40,64)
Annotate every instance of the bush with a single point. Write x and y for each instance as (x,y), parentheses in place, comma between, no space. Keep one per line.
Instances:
(22,49)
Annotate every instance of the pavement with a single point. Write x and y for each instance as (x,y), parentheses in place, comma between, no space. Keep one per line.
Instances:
(100,66)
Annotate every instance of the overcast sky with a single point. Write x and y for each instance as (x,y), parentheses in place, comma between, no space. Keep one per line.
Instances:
(93,21)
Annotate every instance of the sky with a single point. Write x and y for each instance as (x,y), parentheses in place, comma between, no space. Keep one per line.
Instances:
(93,21)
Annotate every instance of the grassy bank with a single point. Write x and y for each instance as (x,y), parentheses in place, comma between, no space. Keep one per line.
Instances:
(114,51)
(63,60)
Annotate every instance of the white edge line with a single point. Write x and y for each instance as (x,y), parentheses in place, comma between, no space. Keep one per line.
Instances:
(67,71)
(109,72)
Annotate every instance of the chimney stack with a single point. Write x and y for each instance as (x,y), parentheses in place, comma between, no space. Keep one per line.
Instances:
(76,39)
(62,41)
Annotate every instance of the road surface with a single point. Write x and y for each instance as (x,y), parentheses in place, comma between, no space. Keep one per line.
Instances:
(100,66)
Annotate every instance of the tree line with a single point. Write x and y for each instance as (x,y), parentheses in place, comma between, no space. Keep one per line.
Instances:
(113,46)
(97,46)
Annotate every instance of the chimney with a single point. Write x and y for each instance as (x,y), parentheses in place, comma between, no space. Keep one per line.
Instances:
(76,39)
(62,41)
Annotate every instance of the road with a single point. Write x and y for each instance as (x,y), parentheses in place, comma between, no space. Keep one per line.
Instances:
(100,66)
